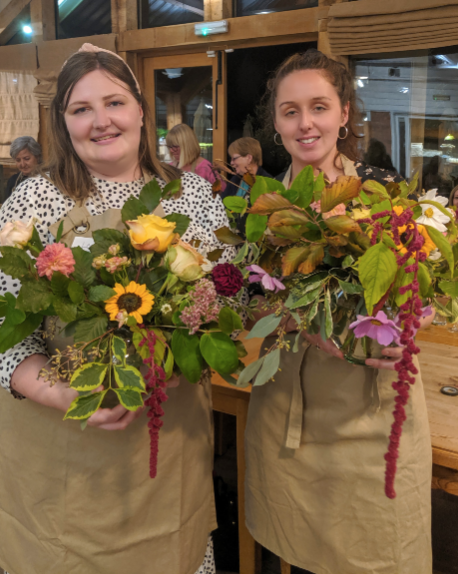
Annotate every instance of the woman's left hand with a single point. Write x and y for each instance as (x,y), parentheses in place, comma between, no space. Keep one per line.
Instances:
(393,355)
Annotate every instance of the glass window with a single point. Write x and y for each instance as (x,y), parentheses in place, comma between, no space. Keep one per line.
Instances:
(410,115)
(251,7)
(77,18)
(155,13)
(184,96)
(19,31)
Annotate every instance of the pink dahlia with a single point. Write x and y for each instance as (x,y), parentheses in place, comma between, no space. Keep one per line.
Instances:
(55,257)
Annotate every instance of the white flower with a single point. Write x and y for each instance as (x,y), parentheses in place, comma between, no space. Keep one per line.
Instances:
(207,265)
(17,233)
(431,215)
(434,255)
(166,308)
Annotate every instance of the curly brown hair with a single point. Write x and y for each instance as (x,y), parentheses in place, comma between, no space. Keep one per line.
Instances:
(337,75)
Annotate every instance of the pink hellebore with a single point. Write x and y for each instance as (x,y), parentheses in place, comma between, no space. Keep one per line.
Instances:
(337,210)
(268,282)
(384,330)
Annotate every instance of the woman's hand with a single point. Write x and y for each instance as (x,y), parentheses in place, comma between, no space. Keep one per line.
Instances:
(326,346)
(117,418)
(393,355)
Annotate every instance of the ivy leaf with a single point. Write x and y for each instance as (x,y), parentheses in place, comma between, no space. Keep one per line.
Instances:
(85,406)
(89,329)
(225,235)
(129,377)
(269,368)
(119,349)
(35,296)
(76,292)
(293,258)
(229,321)
(255,227)
(304,184)
(236,204)
(342,224)
(131,399)
(65,309)
(150,195)
(89,377)
(443,245)
(84,272)
(188,357)
(377,270)
(132,209)
(268,203)
(100,293)
(342,190)
(219,350)
(265,327)
(181,220)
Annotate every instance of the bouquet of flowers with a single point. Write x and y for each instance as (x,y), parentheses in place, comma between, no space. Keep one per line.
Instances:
(140,306)
(357,263)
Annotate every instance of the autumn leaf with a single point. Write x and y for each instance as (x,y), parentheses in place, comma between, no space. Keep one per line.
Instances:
(293,258)
(287,217)
(342,224)
(345,187)
(337,240)
(278,241)
(289,232)
(313,260)
(267,203)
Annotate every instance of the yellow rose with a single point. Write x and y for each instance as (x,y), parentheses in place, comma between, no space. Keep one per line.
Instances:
(151,233)
(17,233)
(184,261)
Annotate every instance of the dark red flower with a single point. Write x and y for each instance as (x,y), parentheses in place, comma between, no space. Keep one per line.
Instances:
(228,279)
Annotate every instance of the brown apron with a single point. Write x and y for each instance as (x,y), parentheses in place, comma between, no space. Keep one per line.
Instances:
(82,502)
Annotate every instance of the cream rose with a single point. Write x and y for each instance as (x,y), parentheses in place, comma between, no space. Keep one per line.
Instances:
(17,233)
(184,261)
(151,233)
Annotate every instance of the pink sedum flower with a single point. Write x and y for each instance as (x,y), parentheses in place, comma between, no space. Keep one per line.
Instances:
(116,263)
(268,282)
(55,257)
(338,209)
(379,328)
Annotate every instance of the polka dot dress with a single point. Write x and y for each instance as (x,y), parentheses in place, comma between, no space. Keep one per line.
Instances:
(39,198)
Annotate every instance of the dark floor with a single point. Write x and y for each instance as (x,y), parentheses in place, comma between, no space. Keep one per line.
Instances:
(444,514)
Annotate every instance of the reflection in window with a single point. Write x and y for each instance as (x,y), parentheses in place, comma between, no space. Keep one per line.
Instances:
(251,7)
(155,13)
(184,96)
(410,115)
(77,18)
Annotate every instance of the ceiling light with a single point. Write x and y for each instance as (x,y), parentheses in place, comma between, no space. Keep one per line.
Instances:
(449,137)
(360,83)
(27,29)
(208,28)
(404,90)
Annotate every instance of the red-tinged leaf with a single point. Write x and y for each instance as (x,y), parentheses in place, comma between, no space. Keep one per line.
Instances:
(217,187)
(225,235)
(337,240)
(267,203)
(342,224)
(293,258)
(287,217)
(249,179)
(345,188)
(278,241)
(336,252)
(289,232)
(313,260)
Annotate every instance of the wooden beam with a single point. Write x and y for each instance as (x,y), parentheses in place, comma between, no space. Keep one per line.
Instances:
(217,10)
(261,26)
(43,20)
(323,38)
(123,15)
(11,12)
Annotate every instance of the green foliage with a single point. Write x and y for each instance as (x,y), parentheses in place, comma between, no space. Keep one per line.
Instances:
(84,272)
(443,245)
(129,377)
(449,287)
(255,226)
(265,326)
(377,270)
(65,309)
(35,241)
(131,399)
(35,295)
(119,349)
(59,284)
(236,204)
(171,189)
(76,292)
(181,220)
(265,185)
(11,334)
(225,235)
(100,293)
(219,351)
(132,209)
(150,195)
(186,350)
(351,288)
(89,329)
(104,238)
(269,368)
(89,377)
(249,372)
(16,263)
(304,184)
(229,321)
(85,406)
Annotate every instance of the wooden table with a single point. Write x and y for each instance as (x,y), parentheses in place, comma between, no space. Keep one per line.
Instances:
(439,365)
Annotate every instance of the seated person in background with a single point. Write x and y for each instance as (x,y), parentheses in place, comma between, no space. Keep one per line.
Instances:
(26,152)
(246,156)
(185,150)
(377,156)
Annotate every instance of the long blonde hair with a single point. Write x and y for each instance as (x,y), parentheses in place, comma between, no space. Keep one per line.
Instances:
(184,136)
(65,168)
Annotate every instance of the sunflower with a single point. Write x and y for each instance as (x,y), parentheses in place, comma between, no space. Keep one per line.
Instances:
(428,244)
(135,299)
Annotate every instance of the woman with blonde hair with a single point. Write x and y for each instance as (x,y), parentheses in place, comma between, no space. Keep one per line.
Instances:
(83,502)
(185,150)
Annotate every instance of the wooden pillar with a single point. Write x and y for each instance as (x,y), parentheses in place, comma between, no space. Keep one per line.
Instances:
(43,20)
(217,10)
(123,16)
(323,38)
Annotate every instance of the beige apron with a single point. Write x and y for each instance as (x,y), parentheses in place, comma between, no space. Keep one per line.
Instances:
(74,502)
(315,443)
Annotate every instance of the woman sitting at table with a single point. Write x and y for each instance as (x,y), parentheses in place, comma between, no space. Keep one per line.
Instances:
(317,434)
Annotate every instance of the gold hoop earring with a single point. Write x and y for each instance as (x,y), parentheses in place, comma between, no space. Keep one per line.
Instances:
(346,132)
(275,139)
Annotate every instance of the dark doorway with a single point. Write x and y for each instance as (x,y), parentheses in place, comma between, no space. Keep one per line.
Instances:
(248,70)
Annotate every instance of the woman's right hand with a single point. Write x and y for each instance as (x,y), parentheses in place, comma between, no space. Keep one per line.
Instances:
(326,346)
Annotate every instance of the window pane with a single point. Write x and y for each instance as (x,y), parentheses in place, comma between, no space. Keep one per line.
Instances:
(250,7)
(410,119)
(184,96)
(77,18)
(155,13)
